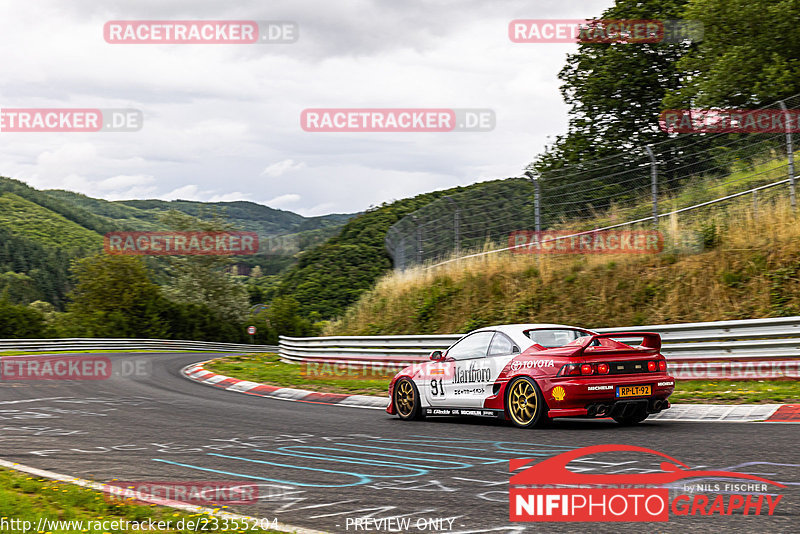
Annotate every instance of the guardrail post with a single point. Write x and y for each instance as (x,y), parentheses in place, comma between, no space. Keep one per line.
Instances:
(789,154)
(653,182)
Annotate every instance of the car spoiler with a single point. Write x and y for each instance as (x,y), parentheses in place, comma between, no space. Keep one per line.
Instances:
(651,342)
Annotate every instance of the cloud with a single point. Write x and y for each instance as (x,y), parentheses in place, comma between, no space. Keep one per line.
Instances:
(228,197)
(282,167)
(282,200)
(319,209)
(123,181)
(186,192)
(223,122)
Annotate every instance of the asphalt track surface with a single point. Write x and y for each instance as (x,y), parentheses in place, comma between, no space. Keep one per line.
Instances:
(322,467)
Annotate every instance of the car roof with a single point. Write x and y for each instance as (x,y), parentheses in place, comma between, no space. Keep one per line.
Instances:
(517,331)
(520,327)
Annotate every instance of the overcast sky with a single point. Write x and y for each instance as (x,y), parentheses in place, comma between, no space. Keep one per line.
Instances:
(222,122)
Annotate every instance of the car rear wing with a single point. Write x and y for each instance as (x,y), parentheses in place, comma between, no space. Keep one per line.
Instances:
(651,343)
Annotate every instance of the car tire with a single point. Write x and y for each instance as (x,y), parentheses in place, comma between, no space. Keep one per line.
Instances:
(631,419)
(407,401)
(525,405)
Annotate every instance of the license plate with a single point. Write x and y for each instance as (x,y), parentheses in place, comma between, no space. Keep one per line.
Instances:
(633,391)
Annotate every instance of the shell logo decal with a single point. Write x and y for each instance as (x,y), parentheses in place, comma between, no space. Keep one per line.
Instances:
(559,393)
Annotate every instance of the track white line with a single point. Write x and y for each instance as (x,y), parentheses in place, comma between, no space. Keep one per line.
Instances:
(97,486)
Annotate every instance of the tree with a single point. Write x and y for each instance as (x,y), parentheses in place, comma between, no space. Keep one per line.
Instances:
(283,316)
(17,321)
(114,297)
(615,90)
(750,54)
(204,280)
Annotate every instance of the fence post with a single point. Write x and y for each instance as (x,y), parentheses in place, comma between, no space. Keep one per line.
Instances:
(419,239)
(537,199)
(653,183)
(400,255)
(789,153)
(456,225)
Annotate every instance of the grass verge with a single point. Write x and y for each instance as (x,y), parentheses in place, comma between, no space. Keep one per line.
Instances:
(268,369)
(27,498)
(749,268)
(737,392)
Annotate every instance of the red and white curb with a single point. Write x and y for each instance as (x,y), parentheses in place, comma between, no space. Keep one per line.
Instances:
(731,413)
(198,374)
(701,413)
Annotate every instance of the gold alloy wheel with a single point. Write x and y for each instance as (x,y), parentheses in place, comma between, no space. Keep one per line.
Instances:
(405,398)
(522,404)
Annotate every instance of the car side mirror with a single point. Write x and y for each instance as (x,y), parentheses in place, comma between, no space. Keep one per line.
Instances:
(437,355)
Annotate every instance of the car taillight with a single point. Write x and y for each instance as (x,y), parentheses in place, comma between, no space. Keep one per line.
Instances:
(602,368)
(662,365)
(570,369)
(652,366)
(587,369)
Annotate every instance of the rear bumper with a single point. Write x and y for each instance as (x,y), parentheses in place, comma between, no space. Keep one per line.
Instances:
(597,396)
(614,408)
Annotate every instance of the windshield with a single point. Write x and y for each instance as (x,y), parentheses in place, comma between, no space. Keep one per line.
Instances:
(554,337)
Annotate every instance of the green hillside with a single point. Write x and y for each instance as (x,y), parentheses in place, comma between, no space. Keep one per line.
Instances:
(143,214)
(332,276)
(42,231)
(76,214)
(27,219)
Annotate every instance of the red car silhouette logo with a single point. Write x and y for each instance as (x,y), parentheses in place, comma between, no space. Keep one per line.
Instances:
(554,470)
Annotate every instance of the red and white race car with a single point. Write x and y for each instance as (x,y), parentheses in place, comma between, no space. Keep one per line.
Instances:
(530,373)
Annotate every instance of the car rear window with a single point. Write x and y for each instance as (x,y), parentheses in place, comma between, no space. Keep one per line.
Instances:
(554,337)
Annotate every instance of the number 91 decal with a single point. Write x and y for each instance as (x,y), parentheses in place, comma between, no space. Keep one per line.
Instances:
(437,388)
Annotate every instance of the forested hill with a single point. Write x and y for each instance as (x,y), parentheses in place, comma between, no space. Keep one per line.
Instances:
(143,214)
(331,276)
(42,231)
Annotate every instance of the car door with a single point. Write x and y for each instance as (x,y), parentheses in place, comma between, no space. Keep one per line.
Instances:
(459,380)
(501,351)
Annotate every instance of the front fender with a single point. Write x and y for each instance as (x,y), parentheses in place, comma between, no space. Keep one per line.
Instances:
(409,372)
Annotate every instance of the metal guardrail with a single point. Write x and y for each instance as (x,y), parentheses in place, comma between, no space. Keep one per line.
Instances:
(65,344)
(751,348)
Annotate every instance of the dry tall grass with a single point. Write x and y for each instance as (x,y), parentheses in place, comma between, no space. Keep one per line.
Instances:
(750,268)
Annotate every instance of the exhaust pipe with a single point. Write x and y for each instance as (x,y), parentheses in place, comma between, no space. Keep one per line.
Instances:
(602,409)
